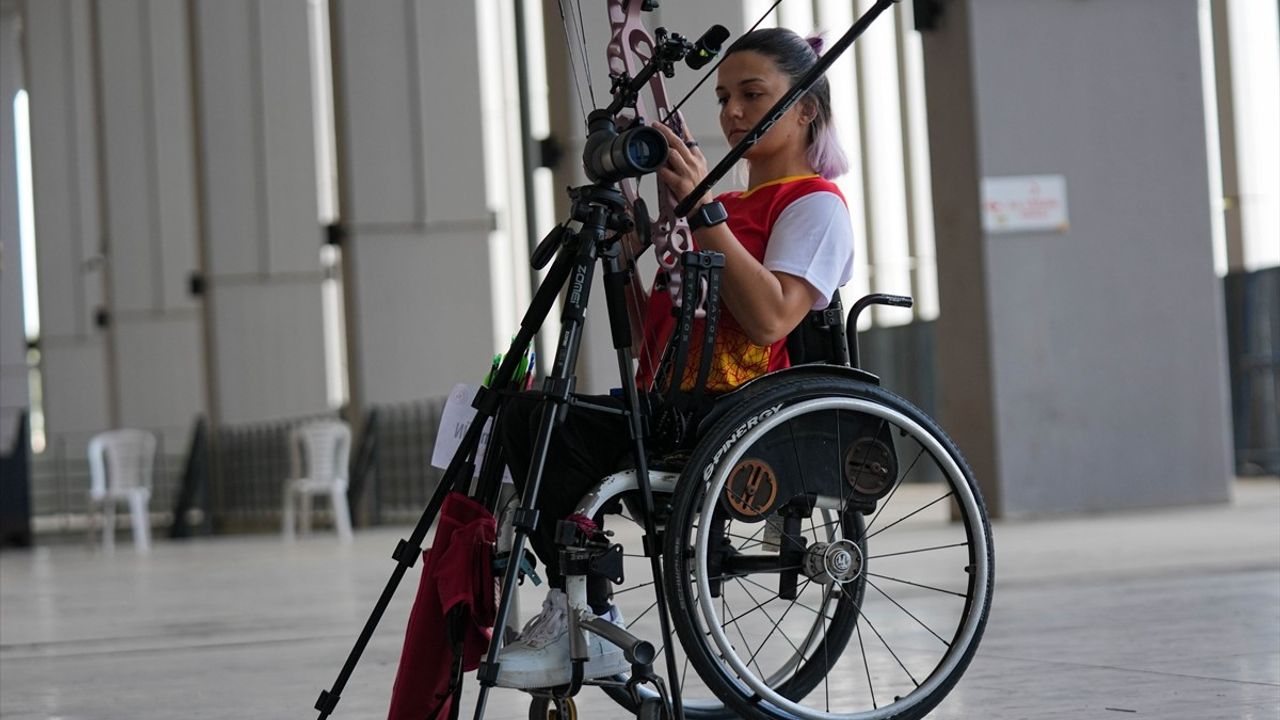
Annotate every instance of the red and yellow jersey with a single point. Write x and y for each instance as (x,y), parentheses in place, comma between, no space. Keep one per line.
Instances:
(752,214)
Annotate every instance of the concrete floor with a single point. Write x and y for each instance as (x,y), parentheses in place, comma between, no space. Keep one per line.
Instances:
(1170,614)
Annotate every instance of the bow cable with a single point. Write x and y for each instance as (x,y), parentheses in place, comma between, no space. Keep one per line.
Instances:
(581,55)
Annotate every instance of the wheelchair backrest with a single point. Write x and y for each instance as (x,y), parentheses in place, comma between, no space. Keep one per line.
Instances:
(820,337)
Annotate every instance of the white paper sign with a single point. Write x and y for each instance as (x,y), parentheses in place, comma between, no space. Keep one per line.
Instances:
(454,423)
(1024,203)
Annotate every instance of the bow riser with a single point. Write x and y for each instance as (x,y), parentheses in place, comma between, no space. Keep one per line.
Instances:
(630,47)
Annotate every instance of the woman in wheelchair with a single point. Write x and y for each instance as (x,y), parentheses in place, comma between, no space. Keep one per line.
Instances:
(788,245)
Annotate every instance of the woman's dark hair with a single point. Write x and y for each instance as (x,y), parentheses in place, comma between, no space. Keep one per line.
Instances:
(794,55)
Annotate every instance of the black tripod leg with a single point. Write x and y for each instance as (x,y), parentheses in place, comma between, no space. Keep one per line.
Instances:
(556,390)
(407,551)
(614,282)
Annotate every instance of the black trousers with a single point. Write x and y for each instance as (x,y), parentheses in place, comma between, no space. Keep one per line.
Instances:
(585,448)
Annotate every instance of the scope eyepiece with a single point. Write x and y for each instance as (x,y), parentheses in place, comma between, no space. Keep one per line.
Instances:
(609,156)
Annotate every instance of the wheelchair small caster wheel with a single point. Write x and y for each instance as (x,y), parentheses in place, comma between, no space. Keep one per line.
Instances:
(651,709)
(545,708)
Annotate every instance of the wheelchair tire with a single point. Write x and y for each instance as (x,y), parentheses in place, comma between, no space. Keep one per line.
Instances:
(899,600)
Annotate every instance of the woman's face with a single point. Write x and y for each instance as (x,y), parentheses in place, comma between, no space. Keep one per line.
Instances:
(749,85)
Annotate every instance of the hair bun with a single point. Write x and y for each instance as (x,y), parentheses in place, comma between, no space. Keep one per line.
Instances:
(816,42)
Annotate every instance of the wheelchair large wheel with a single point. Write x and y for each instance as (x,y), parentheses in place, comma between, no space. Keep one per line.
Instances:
(835,616)
(618,498)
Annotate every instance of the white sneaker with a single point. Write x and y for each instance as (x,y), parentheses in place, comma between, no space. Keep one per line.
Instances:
(539,658)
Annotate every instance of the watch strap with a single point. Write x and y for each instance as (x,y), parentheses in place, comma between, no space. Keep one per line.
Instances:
(708,215)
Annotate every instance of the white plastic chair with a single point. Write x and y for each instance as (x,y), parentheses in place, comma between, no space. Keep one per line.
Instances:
(120,467)
(318,457)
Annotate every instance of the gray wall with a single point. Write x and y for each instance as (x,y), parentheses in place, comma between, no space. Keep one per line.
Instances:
(259,222)
(13,359)
(412,179)
(147,188)
(1081,370)
(167,145)
(69,225)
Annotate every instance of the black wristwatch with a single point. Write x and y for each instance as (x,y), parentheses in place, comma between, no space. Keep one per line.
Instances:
(710,214)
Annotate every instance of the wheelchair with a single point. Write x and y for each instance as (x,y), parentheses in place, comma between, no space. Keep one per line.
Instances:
(828,553)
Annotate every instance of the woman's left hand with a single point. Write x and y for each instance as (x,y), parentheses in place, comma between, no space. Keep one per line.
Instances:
(685,166)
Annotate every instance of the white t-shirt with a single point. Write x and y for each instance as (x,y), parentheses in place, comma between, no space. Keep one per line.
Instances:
(813,240)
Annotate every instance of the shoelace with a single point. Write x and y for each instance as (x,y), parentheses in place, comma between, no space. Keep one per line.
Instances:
(549,623)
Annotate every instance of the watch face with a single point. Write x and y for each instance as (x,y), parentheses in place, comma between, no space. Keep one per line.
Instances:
(713,213)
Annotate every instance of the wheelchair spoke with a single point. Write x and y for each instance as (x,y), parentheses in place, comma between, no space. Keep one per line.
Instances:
(770,571)
(909,613)
(633,587)
(928,549)
(913,512)
(766,614)
(908,582)
(840,459)
(652,605)
(863,617)
(777,624)
(870,685)
(734,620)
(749,539)
(806,607)
(752,660)
(885,503)
(795,450)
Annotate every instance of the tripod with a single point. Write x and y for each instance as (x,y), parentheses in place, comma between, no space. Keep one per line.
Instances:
(601,210)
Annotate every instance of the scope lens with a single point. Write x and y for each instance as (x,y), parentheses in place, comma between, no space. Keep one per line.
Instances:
(610,156)
(646,149)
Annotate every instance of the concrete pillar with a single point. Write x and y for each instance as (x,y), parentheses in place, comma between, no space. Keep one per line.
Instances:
(147,180)
(1080,370)
(260,232)
(78,397)
(417,254)
(13,344)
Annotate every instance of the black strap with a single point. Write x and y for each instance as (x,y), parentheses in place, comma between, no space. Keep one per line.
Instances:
(683,335)
(711,264)
(456,631)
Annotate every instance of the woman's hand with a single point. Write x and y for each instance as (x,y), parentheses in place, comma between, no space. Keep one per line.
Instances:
(685,166)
